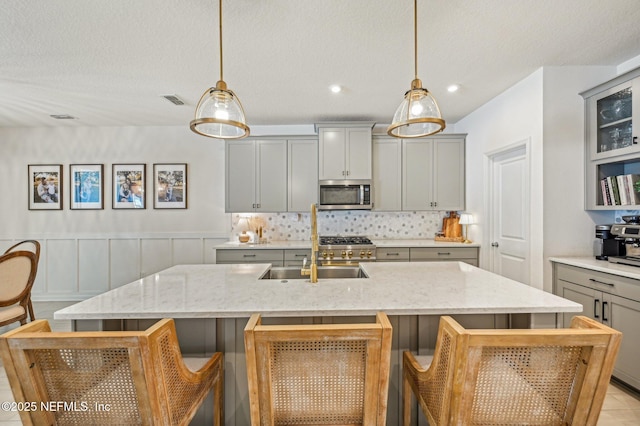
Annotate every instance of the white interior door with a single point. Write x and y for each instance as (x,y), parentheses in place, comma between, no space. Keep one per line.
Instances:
(510,214)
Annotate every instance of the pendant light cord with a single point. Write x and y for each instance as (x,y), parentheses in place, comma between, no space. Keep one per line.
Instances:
(220,22)
(415,37)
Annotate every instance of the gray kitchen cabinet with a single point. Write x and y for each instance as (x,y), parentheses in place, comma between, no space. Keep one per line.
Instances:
(611,140)
(387,174)
(437,254)
(295,257)
(610,299)
(302,177)
(277,257)
(273,256)
(344,151)
(256,175)
(392,254)
(433,173)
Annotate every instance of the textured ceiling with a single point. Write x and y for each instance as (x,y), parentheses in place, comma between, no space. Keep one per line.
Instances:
(108,62)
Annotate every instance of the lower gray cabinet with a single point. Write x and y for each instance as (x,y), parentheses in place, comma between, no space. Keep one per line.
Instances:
(610,299)
(275,257)
(437,254)
(428,254)
(392,254)
(295,257)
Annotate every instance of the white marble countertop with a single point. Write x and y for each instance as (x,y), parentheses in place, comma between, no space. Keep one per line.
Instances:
(398,288)
(420,243)
(378,242)
(600,265)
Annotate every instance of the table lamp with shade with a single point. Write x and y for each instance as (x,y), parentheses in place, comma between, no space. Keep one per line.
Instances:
(466,219)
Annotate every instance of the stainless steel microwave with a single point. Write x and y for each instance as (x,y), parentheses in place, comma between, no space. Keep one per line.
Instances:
(345,195)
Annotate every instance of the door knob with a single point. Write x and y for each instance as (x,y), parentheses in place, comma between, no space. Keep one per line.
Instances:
(494,244)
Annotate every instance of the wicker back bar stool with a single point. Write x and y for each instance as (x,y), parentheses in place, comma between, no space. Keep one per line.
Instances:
(109,377)
(534,376)
(324,374)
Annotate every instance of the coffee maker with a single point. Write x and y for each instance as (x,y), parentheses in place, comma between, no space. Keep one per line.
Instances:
(606,244)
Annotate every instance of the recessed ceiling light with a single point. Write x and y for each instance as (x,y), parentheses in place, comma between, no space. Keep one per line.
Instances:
(335,88)
(453,88)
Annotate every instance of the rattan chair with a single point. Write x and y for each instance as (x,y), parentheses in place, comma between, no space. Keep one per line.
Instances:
(110,377)
(320,374)
(535,377)
(18,269)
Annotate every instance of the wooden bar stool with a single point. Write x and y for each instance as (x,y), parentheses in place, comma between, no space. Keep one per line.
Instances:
(542,377)
(325,374)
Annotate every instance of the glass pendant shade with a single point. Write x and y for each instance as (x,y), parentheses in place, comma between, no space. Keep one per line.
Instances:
(219,114)
(417,116)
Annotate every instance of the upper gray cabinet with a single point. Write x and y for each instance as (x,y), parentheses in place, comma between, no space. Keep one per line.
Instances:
(610,116)
(344,151)
(612,149)
(387,173)
(303,174)
(433,173)
(256,175)
(419,174)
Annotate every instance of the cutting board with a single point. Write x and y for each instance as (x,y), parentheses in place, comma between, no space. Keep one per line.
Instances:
(451,226)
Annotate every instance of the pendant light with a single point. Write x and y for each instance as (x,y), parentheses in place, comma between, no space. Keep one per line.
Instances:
(219,113)
(418,115)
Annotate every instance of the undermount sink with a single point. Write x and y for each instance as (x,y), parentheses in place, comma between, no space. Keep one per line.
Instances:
(324,272)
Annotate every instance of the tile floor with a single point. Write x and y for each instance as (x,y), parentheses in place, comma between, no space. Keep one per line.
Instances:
(621,407)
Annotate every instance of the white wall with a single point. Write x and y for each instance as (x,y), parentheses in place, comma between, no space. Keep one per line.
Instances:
(512,117)
(109,145)
(546,109)
(568,229)
(87,252)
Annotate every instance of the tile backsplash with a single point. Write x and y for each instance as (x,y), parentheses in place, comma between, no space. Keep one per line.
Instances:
(297,226)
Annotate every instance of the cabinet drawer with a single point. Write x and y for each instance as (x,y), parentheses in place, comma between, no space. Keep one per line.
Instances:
(609,283)
(249,256)
(297,254)
(392,254)
(295,257)
(444,253)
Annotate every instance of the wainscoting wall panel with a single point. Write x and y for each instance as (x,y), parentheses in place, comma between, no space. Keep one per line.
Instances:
(78,267)
(93,266)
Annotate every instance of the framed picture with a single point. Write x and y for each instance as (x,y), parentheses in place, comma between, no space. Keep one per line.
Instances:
(170,186)
(87,186)
(45,182)
(129,183)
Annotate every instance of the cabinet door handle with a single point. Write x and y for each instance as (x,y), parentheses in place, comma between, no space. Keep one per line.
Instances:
(300,255)
(635,140)
(495,244)
(444,253)
(248,255)
(258,205)
(601,282)
(596,302)
(604,306)
(393,254)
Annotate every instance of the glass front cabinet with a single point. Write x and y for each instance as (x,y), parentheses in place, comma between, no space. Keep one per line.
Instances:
(612,147)
(611,117)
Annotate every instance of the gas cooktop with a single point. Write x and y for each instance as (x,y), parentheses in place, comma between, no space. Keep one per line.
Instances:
(345,241)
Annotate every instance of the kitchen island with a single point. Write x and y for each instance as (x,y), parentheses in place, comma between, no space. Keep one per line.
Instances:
(212,303)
